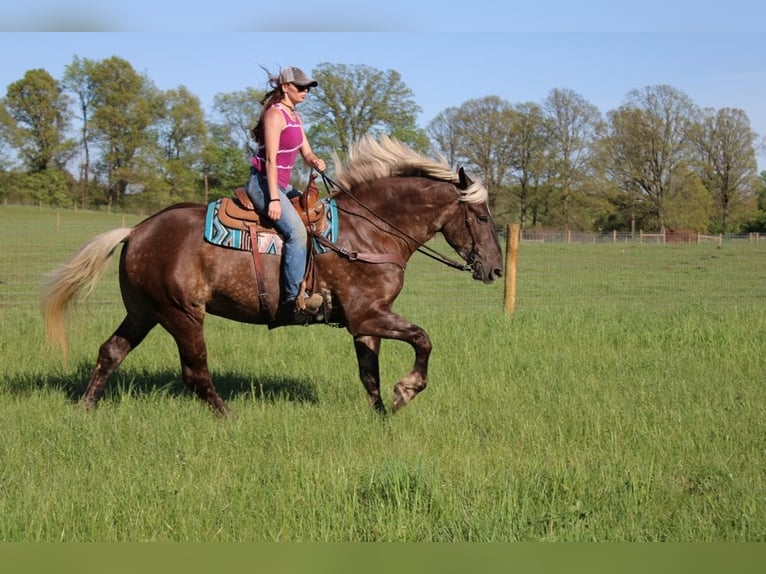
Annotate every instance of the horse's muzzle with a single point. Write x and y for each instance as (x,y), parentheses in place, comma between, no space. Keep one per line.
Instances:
(480,273)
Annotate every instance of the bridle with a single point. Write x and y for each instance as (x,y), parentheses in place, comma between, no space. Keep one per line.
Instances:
(421,247)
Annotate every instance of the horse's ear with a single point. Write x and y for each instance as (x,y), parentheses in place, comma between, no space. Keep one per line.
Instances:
(465,181)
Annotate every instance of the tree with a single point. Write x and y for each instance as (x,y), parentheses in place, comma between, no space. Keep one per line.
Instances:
(126,105)
(38,109)
(79,79)
(727,166)
(647,147)
(182,128)
(483,130)
(690,208)
(352,101)
(444,135)
(6,138)
(181,132)
(529,141)
(224,166)
(239,112)
(761,190)
(756,223)
(572,125)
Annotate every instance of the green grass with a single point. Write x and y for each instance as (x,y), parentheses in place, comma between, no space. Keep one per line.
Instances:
(623,401)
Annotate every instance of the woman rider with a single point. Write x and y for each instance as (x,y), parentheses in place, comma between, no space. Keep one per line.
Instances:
(280,138)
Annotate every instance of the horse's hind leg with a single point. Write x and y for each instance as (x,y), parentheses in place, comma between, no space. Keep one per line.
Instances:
(367,349)
(112,352)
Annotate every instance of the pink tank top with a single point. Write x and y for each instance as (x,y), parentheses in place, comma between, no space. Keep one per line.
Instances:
(290,142)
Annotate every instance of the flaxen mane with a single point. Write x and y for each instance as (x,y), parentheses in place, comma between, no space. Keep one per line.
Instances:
(370,159)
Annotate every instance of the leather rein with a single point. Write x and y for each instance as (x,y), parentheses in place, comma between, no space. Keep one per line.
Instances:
(422,248)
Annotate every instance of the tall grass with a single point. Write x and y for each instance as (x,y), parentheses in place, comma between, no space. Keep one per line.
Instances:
(624,401)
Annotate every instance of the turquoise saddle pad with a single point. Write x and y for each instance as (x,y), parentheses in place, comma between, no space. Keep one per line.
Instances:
(269,242)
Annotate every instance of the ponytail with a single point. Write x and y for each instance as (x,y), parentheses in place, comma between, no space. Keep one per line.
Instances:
(272,97)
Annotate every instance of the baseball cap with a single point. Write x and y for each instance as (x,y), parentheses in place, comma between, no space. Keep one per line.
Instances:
(292,75)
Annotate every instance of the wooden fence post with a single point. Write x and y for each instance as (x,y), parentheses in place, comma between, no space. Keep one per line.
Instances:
(511,255)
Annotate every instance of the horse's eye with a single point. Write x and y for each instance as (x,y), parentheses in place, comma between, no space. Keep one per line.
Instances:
(482,219)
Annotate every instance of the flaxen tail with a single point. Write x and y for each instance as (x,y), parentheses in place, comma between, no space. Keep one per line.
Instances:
(64,283)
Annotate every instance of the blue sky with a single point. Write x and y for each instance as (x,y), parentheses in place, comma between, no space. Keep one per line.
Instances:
(600,51)
(387,16)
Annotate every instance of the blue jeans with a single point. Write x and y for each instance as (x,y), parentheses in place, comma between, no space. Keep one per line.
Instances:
(291,228)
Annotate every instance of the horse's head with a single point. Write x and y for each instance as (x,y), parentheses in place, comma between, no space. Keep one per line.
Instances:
(471,232)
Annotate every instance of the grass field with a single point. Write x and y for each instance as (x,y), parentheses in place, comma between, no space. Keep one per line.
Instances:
(623,401)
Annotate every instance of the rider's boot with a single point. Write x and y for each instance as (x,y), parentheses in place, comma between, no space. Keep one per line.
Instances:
(298,312)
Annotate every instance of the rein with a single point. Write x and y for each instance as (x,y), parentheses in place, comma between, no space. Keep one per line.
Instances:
(422,248)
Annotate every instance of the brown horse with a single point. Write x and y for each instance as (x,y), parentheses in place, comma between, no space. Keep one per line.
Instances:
(392,201)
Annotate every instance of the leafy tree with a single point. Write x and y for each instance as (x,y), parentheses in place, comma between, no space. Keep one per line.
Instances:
(239,112)
(48,187)
(352,101)
(690,208)
(7,126)
(182,133)
(79,80)
(51,187)
(224,166)
(648,153)
(726,160)
(757,221)
(529,140)
(37,108)
(126,105)
(484,129)
(181,129)
(572,125)
(444,135)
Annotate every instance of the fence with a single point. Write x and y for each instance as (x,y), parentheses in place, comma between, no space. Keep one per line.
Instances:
(670,236)
(644,271)
(553,269)
(35,240)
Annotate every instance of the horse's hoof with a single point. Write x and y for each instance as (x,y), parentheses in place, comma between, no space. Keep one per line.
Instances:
(87,405)
(223,411)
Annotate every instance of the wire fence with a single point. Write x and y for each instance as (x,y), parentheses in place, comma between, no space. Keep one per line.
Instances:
(649,271)
(555,268)
(670,236)
(35,241)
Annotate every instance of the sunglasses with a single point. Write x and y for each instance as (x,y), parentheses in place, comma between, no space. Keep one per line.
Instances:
(302,88)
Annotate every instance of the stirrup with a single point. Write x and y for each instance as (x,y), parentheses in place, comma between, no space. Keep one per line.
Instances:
(310,304)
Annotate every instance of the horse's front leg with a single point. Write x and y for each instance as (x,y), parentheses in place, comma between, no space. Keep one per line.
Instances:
(367,349)
(391,326)
(416,380)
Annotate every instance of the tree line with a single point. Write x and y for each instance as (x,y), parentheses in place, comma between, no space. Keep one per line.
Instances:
(104,135)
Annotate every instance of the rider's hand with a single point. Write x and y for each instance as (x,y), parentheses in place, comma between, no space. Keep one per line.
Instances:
(275,210)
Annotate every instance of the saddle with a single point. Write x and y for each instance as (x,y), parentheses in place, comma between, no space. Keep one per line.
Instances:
(238,212)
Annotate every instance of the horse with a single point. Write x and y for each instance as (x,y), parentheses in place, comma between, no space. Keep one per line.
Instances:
(390,201)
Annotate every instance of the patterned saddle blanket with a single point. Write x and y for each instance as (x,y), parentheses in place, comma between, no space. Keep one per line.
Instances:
(269,241)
